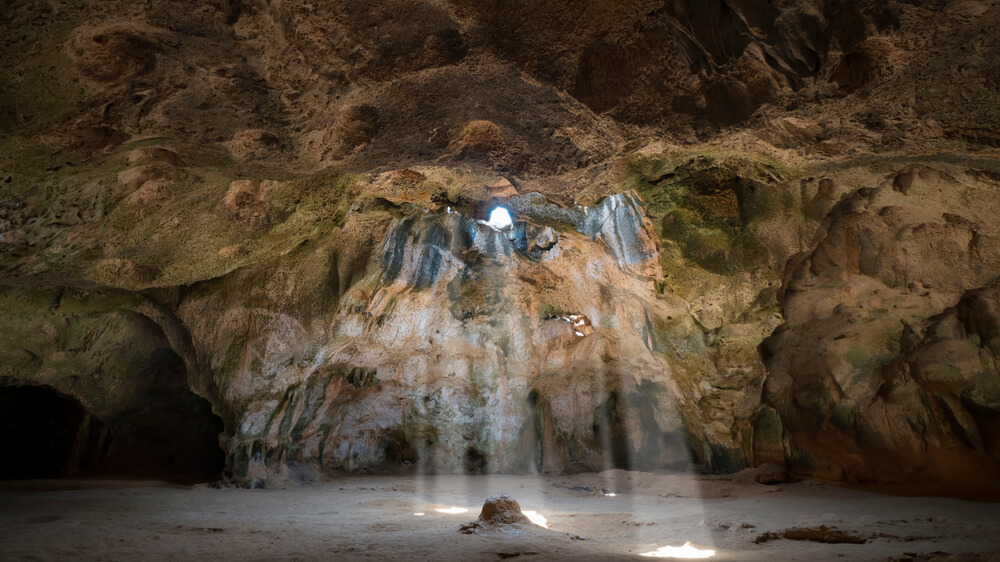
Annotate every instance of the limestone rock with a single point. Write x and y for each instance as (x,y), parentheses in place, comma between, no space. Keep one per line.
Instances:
(740,235)
(253,144)
(890,264)
(150,154)
(501,510)
(115,51)
(150,193)
(133,178)
(246,201)
(770,473)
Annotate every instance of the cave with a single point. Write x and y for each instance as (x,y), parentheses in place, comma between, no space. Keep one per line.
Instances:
(46,434)
(448,280)
(171,435)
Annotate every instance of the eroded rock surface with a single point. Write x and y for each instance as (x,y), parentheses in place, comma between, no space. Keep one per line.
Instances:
(745,233)
(887,340)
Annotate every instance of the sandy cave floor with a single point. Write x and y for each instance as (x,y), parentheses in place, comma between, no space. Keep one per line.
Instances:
(373,518)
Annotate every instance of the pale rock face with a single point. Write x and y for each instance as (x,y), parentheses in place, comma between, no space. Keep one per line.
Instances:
(888,327)
(444,355)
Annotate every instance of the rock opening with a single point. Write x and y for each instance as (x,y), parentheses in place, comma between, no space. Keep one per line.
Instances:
(170,434)
(500,218)
(45,434)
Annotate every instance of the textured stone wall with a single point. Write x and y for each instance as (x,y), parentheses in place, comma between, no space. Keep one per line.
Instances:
(772,225)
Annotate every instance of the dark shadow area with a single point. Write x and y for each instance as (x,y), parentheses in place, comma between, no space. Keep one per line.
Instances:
(40,430)
(169,433)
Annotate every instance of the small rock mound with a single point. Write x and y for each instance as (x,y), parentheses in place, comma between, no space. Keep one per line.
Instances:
(503,510)
(133,178)
(498,510)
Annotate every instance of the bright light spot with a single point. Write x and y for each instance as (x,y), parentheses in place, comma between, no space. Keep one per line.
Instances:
(686,551)
(537,518)
(419,514)
(610,495)
(452,510)
(500,219)
(579,334)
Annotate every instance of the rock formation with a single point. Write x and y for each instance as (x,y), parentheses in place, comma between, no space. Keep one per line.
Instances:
(497,511)
(745,233)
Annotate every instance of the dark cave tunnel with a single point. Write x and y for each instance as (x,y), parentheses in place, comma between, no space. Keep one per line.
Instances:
(171,434)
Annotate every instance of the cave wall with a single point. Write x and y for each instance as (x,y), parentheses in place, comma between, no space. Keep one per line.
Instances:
(885,366)
(776,219)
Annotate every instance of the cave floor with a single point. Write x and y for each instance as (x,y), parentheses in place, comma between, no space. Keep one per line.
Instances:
(374,518)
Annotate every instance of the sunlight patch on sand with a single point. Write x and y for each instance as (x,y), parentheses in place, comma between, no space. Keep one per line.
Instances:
(686,551)
(537,518)
(452,510)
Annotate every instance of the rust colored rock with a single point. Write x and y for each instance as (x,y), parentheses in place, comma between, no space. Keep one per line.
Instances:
(497,511)
(126,273)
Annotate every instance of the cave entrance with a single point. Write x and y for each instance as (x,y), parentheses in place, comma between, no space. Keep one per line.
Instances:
(169,433)
(500,219)
(40,430)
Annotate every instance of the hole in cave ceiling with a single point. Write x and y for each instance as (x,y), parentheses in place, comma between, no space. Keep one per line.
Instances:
(500,219)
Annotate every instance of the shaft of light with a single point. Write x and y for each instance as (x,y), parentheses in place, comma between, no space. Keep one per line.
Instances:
(686,551)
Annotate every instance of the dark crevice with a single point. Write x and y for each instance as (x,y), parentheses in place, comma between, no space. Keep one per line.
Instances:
(168,433)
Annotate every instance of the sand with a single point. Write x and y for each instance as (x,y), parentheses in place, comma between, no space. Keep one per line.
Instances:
(374,518)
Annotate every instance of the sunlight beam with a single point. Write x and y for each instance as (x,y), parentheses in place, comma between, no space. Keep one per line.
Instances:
(686,551)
